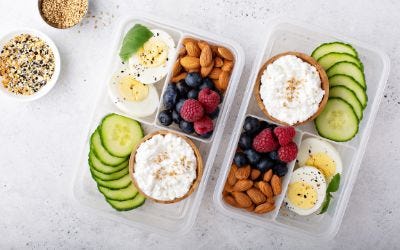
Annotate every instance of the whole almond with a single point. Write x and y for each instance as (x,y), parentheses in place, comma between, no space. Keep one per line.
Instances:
(264,208)
(276,184)
(214,49)
(256,196)
(193,70)
(255,173)
(228,66)
(268,175)
(188,40)
(224,193)
(256,183)
(206,56)
(223,80)
(205,71)
(225,53)
(192,49)
(215,73)
(271,200)
(231,176)
(182,51)
(176,69)
(190,62)
(243,185)
(251,208)
(242,199)
(266,189)
(179,77)
(218,62)
(228,188)
(243,173)
(230,200)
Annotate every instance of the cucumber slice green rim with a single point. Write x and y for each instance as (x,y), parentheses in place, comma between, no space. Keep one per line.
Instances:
(339,47)
(120,194)
(122,182)
(120,134)
(328,60)
(101,153)
(323,123)
(109,177)
(350,69)
(349,82)
(96,164)
(350,97)
(127,205)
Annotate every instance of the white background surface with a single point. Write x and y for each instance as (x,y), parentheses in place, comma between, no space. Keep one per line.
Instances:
(41,141)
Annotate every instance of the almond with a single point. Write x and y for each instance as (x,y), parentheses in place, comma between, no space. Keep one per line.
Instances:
(243,173)
(230,200)
(251,208)
(182,51)
(215,73)
(179,77)
(188,40)
(205,71)
(225,53)
(214,49)
(193,70)
(206,56)
(218,62)
(268,175)
(190,62)
(266,189)
(223,80)
(243,185)
(228,188)
(192,49)
(242,199)
(271,200)
(264,208)
(256,184)
(176,69)
(276,184)
(255,173)
(202,44)
(225,193)
(256,196)
(228,66)
(231,176)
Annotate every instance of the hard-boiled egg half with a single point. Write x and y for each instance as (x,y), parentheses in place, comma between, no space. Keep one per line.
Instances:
(132,96)
(152,61)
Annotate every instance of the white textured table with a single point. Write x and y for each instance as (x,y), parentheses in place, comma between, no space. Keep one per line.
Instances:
(41,141)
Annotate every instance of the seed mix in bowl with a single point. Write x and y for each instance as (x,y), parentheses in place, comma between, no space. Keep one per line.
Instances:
(26,64)
(63,13)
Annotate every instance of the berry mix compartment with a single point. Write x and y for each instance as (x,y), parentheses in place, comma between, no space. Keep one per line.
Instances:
(166,219)
(286,35)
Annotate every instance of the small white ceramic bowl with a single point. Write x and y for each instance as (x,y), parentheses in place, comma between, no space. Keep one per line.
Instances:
(50,84)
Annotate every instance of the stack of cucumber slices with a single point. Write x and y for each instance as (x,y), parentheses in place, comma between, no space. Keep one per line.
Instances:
(110,147)
(347,94)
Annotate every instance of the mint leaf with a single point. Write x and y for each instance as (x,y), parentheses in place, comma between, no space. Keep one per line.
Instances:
(134,40)
(334,184)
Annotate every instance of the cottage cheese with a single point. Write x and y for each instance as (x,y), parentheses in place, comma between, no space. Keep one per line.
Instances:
(291,89)
(165,167)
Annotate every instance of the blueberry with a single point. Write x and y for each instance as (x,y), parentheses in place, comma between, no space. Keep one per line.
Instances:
(207,83)
(251,125)
(183,88)
(245,141)
(264,124)
(240,159)
(187,127)
(280,169)
(252,156)
(165,117)
(193,94)
(179,105)
(193,79)
(273,155)
(214,114)
(207,135)
(170,96)
(176,117)
(264,165)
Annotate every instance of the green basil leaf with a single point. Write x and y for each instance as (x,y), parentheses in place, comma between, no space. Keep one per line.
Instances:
(136,37)
(325,204)
(334,184)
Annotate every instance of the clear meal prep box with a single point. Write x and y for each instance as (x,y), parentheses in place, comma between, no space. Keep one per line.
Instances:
(166,219)
(287,35)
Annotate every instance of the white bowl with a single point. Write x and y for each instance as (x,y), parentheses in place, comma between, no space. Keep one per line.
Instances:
(50,84)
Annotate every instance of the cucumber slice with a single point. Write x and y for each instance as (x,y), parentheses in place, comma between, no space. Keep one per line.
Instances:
(120,194)
(127,204)
(122,182)
(338,121)
(330,59)
(349,82)
(349,96)
(109,177)
(120,134)
(350,69)
(338,47)
(96,164)
(101,153)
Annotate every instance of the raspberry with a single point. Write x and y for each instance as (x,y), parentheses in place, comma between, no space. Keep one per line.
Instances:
(191,110)
(209,99)
(284,134)
(265,141)
(203,126)
(288,153)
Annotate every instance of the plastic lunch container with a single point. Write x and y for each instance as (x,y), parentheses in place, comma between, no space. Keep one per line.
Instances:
(287,35)
(166,219)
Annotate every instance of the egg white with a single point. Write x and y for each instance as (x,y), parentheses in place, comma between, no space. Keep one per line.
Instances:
(148,75)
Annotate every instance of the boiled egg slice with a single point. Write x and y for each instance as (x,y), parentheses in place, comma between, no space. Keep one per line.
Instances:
(306,191)
(133,97)
(320,154)
(152,62)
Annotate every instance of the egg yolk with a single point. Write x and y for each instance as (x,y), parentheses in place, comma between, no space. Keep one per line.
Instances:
(154,53)
(302,195)
(324,163)
(132,90)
